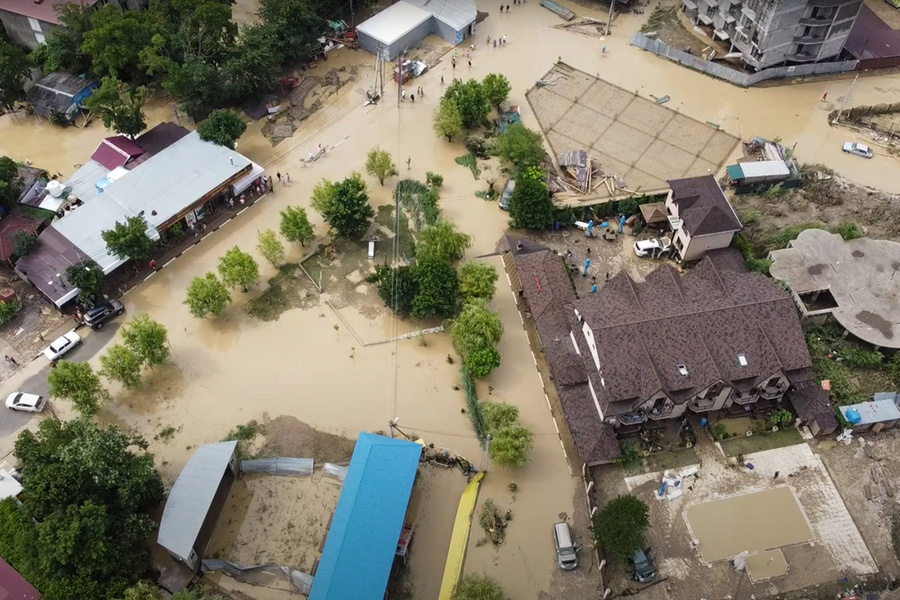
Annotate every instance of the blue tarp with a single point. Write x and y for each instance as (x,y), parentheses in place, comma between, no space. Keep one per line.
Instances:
(362,541)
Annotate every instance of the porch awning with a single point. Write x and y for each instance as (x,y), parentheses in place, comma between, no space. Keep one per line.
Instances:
(720,34)
(689,4)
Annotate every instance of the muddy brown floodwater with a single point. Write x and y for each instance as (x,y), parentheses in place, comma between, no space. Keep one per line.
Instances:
(308,365)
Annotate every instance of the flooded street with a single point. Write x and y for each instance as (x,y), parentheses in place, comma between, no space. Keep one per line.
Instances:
(309,365)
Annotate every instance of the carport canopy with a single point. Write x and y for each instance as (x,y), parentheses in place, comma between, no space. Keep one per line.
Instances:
(192,496)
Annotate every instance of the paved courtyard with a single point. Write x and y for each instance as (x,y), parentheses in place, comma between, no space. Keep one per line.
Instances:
(633,137)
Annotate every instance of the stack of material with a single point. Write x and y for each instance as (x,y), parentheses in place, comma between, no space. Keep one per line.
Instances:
(577,164)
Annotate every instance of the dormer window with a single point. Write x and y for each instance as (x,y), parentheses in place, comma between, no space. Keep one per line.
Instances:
(742,359)
(682,370)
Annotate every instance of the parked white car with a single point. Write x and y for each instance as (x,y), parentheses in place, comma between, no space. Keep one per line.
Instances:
(25,402)
(61,346)
(654,248)
(858,149)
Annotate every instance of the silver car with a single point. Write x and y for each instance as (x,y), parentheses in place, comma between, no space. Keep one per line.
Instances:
(858,149)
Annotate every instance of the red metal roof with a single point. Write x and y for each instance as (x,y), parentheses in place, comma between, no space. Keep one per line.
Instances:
(116,151)
(13,586)
(9,226)
(43,10)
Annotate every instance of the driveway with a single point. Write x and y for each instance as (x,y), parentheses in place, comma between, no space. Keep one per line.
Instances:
(10,420)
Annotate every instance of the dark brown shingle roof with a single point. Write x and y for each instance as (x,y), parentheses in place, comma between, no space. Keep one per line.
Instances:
(812,404)
(644,331)
(703,206)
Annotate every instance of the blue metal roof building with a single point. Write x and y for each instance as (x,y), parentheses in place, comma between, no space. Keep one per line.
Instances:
(362,541)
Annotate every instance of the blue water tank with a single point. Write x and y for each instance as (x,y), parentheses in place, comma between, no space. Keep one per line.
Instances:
(853,416)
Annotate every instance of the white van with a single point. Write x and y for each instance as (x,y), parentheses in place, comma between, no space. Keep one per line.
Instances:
(566,551)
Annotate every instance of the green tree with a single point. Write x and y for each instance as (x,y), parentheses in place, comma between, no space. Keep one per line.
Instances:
(471,101)
(198,85)
(207,296)
(116,39)
(142,590)
(397,287)
(323,196)
(24,243)
(477,327)
(63,50)
(9,310)
(10,183)
(197,28)
(496,88)
(296,27)
(478,587)
(438,289)
(619,528)
(499,414)
(148,339)
(238,268)
(121,106)
(270,247)
(14,68)
(530,206)
(522,147)
(380,165)
(477,281)
(121,364)
(89,493)
(346,206)
(442,241)
(481,362)
(295,225)
(222,127)
(252,66)
(87,276)
(511,445)
(447,120)
(78,383)
(129,239)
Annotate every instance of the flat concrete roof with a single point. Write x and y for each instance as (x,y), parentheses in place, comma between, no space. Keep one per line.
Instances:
(861,274)
(394,22)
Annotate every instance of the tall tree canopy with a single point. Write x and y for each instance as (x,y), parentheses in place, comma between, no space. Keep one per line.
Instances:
(129,239)
(116,39)
(121,106)
(296,25)
(470,100)
(14,67)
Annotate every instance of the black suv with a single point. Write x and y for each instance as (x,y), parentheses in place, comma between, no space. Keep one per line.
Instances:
(97,316)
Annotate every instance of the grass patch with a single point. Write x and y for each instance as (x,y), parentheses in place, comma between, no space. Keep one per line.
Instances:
(166,433)
(661,461)
(758,443)
(471,162)
(385,218)
(269,305)
(35,214)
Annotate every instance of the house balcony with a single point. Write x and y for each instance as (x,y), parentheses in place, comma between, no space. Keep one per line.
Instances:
(802,58)
(809,39)
(745,398)
(701,404)
(631,418)
(772,393)
(660,411)
(816,21)
(825,3)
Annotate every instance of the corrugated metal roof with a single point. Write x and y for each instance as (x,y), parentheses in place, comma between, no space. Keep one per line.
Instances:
(161,188)
(191,497)
(56,92)
(458,14)
(874,412)
(362,541)
(393,22)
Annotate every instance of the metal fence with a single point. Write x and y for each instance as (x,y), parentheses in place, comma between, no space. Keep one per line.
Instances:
(285,467)
(734,76)
(262,575)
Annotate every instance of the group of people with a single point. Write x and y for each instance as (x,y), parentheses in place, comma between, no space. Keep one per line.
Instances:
(514,2)
(497,41)
(419,90)
(11,360)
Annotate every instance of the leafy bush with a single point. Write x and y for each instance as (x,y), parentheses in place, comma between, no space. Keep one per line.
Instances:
(719,431)
(24,243)
(781,418)
(511,445)
(476,145)
(848,230)
(481,362)
(8,311)
(630,451)
(434,180)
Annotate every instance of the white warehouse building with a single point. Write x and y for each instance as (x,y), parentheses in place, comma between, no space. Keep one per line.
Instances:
(406,23)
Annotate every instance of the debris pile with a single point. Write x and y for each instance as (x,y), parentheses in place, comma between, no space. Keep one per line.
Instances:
(581,174)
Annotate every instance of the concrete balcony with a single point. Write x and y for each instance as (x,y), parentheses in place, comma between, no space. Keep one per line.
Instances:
(800,58)
(811,22)
(657,412)
(809,40)
(701,404)
(631,418)
(772,393)
(746,398)
(825,3)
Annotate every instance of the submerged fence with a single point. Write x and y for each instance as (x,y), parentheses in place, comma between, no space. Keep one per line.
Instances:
(734,76)
(263,575)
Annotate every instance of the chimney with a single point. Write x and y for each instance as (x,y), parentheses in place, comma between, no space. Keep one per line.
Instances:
(231,160)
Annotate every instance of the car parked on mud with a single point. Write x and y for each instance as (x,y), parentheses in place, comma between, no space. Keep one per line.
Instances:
(653,248)
(858,149)
(643,569)
(566,550)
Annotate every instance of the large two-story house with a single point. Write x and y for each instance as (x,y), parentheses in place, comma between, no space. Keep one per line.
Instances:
(637,353)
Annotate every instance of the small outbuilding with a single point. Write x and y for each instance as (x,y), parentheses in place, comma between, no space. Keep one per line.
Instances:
(61,94)
(879,413)
(654,214)
(196,502)
(813,407)
(400,26)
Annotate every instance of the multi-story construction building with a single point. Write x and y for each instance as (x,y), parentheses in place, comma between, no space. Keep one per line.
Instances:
(774,32)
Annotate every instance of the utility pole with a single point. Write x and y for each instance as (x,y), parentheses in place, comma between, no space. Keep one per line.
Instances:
(846,99)
(612,7)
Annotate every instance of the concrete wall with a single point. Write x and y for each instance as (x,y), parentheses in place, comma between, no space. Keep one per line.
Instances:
(405,42)
(697,247)
(21,30)
(734,76)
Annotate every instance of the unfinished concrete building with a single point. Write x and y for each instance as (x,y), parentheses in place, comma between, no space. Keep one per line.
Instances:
(773,32)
